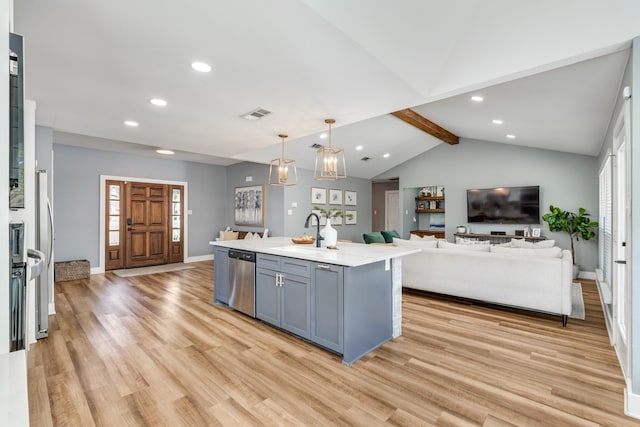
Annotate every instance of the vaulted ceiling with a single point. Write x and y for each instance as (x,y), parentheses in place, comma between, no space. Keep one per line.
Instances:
(550,70)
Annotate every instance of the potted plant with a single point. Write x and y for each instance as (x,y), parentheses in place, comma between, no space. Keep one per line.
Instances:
(332,213)
(576,225)
(329,233)
(461,229)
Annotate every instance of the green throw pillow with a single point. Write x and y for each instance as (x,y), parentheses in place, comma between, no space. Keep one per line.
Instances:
(375,237)
(389,235)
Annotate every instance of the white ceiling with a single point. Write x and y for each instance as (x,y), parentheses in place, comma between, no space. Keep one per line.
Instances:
(551,70)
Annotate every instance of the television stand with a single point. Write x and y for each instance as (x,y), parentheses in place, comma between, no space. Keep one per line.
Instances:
(495,238)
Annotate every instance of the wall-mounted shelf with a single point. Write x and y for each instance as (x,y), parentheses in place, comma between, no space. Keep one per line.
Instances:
(429,210)
(424,207)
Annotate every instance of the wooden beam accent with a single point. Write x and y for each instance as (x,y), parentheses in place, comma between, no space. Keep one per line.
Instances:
(426,125)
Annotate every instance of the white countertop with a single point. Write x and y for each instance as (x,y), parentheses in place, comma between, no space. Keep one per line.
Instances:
(347,254)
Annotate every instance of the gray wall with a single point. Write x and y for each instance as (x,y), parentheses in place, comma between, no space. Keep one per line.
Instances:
(567,180)
(378,203)
(279,200)
(273,198)
(301,195)
(77,192)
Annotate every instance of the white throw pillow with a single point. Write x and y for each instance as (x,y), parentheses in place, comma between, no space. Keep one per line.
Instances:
(418,238)
(422,243)
(248,236)
(555,252)
(542,244)
(452,246)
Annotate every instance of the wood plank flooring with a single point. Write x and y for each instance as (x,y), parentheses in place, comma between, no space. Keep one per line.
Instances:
(153,351)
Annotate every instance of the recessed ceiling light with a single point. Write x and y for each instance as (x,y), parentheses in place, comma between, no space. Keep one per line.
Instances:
(385,155)
(359,147)
(158,102)
(163,151)
(511,136)
(477,98)
(201,66)
(496,121)
(323,136)
(131,123)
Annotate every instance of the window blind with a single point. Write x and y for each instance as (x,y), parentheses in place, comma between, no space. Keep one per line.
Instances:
(605,241)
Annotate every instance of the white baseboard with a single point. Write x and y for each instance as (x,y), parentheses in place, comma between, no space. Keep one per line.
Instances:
(591,275)
(199,258)
(96,270)
(631,402)
(52,308)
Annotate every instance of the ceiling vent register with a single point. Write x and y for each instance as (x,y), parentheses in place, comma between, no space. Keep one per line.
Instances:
(256,114)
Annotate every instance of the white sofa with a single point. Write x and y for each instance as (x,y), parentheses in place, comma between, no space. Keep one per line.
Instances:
(535,279)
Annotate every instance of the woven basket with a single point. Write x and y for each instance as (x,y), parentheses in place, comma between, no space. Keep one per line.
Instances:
(71,270)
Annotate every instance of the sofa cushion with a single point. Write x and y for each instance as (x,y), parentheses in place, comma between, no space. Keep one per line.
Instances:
(375,237)
(542,244)
(467,241)
(428,243)
(419,238)
(389,235)
(555,252)
(443,244)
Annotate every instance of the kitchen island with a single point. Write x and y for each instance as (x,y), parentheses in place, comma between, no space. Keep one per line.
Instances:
(347,300)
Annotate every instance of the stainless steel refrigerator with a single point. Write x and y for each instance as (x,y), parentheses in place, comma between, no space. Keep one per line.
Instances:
(44,243)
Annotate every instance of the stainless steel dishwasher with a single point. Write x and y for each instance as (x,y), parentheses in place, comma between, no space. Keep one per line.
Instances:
(242,281)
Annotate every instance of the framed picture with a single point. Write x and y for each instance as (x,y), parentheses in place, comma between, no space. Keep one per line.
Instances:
(535,232)
(318,196)
(350,198)
(336,220)
(335,197)
(248,206)
(323,220)
(353,219)
(421,205)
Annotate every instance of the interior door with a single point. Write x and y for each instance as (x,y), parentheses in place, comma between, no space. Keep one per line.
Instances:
(621,219)
(392,210)
(147,224)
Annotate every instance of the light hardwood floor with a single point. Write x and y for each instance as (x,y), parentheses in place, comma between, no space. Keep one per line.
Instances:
(152,350)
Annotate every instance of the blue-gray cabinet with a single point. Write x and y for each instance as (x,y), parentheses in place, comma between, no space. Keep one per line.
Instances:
(327,306)
(221,274)
(283,293)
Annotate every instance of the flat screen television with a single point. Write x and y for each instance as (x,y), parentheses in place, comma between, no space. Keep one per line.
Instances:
(504,205)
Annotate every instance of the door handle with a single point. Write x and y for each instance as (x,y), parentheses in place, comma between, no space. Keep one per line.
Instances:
(620,261)
(131,229)
(323,267)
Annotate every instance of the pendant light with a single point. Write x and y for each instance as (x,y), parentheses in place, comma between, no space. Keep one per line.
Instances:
(330,162)
(285,169)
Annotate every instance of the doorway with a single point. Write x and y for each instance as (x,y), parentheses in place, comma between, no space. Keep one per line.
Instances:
(391,211)
(385,212)
(621,235)
(144,224)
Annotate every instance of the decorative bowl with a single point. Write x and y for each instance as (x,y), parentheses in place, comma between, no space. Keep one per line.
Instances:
(301,241)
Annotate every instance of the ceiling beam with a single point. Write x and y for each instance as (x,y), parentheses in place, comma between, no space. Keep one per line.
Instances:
(426,125)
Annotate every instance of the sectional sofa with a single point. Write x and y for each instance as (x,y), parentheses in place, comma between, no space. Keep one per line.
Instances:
(531,278)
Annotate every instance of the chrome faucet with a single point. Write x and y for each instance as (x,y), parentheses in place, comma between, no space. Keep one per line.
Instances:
(306,225)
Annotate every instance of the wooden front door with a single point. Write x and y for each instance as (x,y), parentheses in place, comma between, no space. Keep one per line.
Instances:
(144,224)
(147,224)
